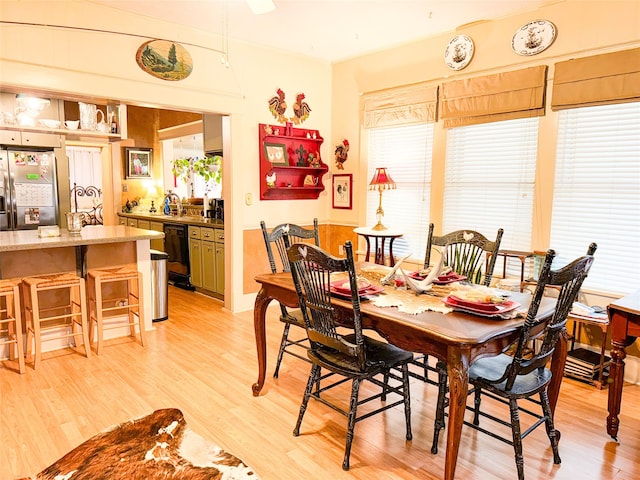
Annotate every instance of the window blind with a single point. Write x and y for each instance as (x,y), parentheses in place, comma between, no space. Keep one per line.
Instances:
(406,152)
(597,193)
(489,180)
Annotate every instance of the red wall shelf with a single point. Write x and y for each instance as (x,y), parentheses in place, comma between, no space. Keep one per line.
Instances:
(290,163)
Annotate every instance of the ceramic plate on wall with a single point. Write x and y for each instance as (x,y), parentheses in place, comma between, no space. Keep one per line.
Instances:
(534,37)
(164,60)
(459,52)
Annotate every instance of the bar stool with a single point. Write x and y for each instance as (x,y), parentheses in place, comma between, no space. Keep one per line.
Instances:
(131,300)
(10,316)
(67,292)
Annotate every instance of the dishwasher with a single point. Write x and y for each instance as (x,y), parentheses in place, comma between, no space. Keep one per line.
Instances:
(176,245)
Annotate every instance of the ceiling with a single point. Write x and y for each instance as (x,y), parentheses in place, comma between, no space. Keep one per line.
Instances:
(331,30)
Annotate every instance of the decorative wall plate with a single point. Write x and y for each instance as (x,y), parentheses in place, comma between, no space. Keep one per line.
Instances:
(534,37)
(164,60)
(459,52)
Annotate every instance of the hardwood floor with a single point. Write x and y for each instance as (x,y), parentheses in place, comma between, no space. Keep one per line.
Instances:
(203,361)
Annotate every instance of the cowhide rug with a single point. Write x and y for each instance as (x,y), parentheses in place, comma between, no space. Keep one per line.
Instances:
(158,446)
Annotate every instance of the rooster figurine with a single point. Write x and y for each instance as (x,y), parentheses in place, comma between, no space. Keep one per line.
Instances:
(301,110)
(341,153)
(277,106)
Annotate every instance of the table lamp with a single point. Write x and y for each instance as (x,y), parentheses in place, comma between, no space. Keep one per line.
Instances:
(381,181)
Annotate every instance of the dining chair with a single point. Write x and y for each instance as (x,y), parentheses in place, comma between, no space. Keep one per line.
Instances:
(345,355)
(274,241)
(508,378)
(465,253)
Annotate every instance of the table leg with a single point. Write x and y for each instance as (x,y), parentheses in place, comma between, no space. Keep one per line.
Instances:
(380,250)
(458,367)
(366,258)
(616,376)
(558,361)
(259,324)
(392,261)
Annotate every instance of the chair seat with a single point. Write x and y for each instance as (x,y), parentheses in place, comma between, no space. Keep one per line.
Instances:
(387,356)
(112,274)
(492,368)
(52,280)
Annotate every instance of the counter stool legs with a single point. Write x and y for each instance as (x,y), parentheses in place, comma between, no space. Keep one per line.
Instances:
(73,311)
(11,317)
(132,301)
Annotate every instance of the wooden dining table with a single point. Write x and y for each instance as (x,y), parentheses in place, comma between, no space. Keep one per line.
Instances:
(457,338)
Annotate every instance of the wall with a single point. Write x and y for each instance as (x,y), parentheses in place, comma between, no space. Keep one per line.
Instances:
(584,28)
(98,65)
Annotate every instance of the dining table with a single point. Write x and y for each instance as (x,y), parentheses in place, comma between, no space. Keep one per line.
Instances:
(456,337)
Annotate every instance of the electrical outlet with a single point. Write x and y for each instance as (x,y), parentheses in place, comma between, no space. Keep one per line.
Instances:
(341,249)
(248,199)
(125,187)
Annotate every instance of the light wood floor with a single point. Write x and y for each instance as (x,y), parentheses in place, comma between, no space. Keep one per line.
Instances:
(203,361)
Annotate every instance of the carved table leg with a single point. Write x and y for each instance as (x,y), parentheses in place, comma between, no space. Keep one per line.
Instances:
(558,361)
(259,324)
(616,376)
(458,366)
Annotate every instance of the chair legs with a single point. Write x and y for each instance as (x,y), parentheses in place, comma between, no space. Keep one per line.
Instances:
(354,402)
(442,398)
(9,290)
(283,345)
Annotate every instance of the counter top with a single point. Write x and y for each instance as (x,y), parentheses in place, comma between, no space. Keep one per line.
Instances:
(186,219)
(90,235)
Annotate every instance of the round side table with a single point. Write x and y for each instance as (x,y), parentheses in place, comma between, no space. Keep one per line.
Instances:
(380,238)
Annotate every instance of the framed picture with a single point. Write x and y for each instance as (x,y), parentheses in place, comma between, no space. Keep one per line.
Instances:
(342,190)
(138,162)
(276,153)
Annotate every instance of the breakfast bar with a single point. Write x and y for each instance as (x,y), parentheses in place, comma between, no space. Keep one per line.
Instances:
(24,253)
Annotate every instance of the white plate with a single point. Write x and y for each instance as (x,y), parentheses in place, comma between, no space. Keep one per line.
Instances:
(534,37)
(459,52)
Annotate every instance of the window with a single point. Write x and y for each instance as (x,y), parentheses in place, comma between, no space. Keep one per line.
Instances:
(489,180)
(406,152)
(597,193)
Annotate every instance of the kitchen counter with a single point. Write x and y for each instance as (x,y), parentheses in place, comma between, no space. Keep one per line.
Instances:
(24,253)
(185,219)
(91,235)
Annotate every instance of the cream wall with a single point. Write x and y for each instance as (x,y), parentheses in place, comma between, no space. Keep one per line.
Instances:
(584,28)
(103,66)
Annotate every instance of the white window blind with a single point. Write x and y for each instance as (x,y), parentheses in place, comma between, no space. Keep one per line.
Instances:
(489,180)
(406,152)
(597,193)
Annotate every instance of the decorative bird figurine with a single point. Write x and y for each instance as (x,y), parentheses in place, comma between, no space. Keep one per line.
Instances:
(341,153)
(301,110)
(277,106)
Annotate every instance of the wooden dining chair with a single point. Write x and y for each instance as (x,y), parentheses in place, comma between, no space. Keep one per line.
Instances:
(344,355)
(465,251)
(274,241)
(523,374)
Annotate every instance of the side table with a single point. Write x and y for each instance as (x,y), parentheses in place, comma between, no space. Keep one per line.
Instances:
(380,238)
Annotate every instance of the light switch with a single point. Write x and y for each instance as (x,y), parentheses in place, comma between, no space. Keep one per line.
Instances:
(248,199)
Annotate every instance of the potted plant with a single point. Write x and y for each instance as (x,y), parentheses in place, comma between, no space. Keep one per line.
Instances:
(209,168)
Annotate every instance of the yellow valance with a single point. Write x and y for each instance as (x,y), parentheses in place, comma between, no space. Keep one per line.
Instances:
(597,80)
(492,98)
(404,105)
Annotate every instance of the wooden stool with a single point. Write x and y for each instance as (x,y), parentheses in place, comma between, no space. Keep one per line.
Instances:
(71,311)
(10,316)
(131,300)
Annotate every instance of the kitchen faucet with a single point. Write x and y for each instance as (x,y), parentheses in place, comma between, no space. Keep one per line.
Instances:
(173,198)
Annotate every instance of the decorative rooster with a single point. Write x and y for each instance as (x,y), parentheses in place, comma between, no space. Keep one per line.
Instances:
(301,110)
(341,153)
(277,106)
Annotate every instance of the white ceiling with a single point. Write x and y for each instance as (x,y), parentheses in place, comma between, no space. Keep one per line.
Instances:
(332,30)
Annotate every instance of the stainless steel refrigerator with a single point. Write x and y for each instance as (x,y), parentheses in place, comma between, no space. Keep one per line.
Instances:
(28,189)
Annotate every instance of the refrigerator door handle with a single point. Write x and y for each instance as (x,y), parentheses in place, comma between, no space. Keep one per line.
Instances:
(13,213)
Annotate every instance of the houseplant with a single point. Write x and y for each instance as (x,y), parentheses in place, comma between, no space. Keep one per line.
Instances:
(208,168)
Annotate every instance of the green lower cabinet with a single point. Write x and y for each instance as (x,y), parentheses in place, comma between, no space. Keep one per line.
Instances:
(206,253)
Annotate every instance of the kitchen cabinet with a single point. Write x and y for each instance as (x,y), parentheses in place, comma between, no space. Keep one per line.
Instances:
(12,136)
(146,224)
(157,243)
(290,163)
(206,255)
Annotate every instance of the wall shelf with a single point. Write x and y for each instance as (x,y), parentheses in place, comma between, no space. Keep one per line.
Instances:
(288,180)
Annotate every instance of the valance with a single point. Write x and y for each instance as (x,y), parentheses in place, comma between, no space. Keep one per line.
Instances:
(492,98)
(597,80)
(404,105)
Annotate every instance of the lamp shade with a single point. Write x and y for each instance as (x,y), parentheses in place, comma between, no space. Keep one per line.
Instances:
(381,180)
